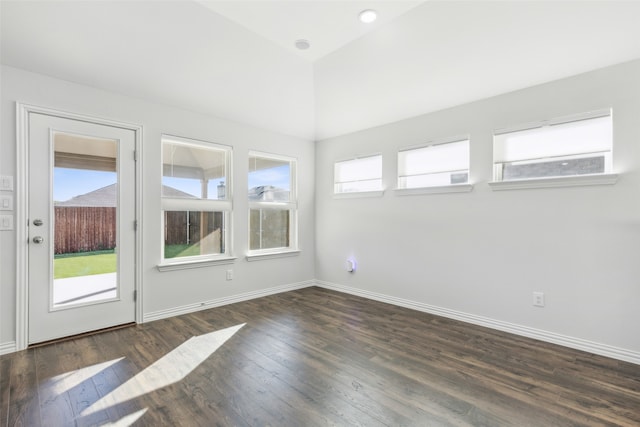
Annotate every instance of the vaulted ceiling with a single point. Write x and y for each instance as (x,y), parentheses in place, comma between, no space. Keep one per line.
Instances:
(236,59)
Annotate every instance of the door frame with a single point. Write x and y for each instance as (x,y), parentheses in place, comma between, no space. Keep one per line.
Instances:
(23,112)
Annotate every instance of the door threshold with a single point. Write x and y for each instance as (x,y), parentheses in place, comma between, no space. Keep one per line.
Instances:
(84,334)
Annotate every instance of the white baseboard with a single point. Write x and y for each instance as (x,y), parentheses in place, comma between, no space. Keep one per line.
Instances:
(191,308)
(551,337)
(7,347)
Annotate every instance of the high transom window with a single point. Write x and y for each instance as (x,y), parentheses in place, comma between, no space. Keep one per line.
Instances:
(362,174)
(567,146)
(436,164)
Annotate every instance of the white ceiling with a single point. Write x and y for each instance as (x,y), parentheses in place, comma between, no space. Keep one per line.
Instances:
(433,55)
(170,52)
(327,25)
(447,53)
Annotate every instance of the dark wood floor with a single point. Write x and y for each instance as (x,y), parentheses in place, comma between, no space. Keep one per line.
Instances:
(314,357)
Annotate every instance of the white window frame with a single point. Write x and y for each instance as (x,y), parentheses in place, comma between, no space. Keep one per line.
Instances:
(204,205)
(604,178)
(435,189)
(363,193)
(291,206)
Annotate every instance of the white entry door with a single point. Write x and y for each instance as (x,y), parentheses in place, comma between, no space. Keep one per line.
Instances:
(81,210)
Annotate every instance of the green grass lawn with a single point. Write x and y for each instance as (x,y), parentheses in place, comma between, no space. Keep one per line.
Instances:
(172,251)
(84,264)
(99,262)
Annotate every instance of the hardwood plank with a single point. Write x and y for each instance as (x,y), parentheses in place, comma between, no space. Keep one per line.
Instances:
(55,402)
(76,360)
(141,349)
(5,371)
(316,357)
(24,405)
(327,365)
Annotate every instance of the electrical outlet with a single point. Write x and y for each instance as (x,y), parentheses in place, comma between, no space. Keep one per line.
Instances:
(538,299)
(229,274)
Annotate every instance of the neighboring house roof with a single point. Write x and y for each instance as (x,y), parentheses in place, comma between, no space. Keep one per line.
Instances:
(173,192)
(102,197)
(106,197)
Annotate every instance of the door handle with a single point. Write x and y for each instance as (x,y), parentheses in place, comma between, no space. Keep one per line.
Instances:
(37,222)
(38,239)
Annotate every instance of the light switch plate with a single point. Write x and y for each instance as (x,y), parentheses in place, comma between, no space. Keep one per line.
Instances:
(6,222)
(6,202)
(6,183)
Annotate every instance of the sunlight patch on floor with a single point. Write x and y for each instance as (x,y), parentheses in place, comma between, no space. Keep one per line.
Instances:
(69,380)
(169,369)
(127,420)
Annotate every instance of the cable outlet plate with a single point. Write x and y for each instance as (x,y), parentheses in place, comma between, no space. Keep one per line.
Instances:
(538,299)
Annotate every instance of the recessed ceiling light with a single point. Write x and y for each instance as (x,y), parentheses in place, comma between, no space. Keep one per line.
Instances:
(368,16)
(303,44)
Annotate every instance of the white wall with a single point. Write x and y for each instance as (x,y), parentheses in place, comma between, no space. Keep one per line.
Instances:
(483,253)
(167,290)
(480,253)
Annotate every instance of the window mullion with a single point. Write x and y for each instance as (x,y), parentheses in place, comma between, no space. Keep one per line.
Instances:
(196,204)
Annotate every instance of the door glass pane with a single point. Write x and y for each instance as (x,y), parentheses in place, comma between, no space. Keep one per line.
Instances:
(85,206)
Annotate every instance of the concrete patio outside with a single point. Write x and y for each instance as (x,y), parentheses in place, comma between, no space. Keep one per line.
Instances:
(84,289)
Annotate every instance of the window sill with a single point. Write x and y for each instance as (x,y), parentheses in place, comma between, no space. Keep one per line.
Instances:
(563,181)
(358,194)
(454,188)
(195,264)
(270,255)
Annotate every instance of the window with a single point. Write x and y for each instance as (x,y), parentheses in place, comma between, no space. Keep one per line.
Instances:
(196,200)
(358,175)
(273,204)
(437,164)
(569,146)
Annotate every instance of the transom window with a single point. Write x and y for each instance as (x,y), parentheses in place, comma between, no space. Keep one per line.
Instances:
(358,175)
(568,146)
(196,199)
(273,206)
(437,164)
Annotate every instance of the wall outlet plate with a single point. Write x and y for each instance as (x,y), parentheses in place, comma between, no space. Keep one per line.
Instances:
(538,299)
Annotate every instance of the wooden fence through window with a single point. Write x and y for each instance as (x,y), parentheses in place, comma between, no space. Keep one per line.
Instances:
(183,227)
(87,229)
(84,229)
